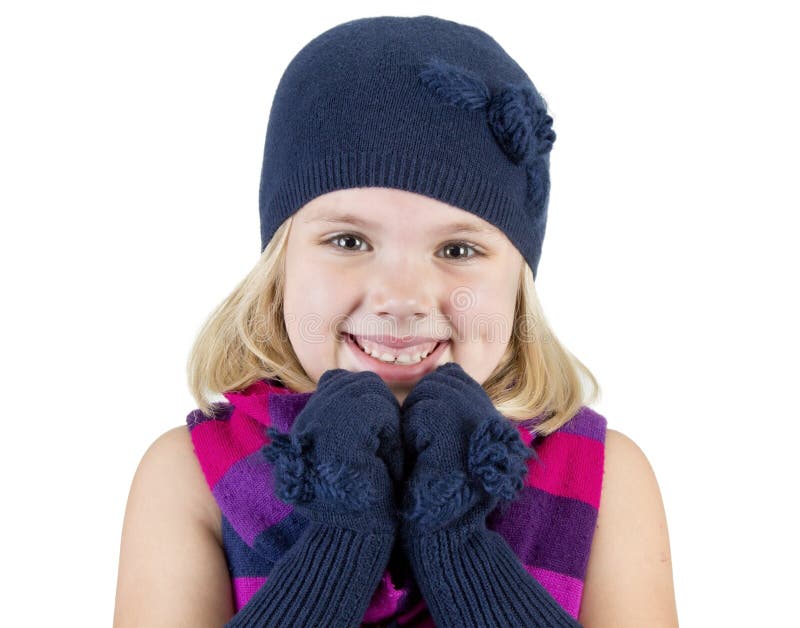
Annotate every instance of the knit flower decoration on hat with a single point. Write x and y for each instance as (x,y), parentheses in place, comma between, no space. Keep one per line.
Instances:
(520,124)
(515,112)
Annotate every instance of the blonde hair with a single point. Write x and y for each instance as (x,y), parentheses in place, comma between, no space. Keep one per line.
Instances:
(245,340)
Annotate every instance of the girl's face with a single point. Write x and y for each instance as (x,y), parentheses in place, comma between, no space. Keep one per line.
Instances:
(404,269)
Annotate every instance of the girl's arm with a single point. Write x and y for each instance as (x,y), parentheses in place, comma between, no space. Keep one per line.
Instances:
(629,576)
(172,570)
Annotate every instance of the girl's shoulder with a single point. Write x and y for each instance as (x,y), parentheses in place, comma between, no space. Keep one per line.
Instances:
(629,572)
(170,520)
(174,452)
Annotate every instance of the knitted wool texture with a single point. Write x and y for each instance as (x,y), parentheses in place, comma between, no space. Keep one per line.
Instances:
(420,104)
(549,525)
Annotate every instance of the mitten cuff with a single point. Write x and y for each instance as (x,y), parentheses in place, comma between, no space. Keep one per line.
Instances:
(475,579)
(326,579)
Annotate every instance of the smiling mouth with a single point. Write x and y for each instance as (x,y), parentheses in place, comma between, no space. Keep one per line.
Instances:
(394,372)
(403,357)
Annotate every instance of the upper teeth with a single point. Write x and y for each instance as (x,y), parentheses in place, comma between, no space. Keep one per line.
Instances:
(408,355)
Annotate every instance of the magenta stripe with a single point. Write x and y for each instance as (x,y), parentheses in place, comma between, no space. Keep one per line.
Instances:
(565,590)
(385,601)
(245,588)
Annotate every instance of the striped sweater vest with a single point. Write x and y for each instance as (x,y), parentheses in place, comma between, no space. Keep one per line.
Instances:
(549,525)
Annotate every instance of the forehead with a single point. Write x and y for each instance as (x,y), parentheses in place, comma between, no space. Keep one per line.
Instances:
(377,208)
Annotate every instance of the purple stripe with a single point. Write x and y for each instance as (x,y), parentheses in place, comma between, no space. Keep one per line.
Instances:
(283,408)
(246,496)
(267,549)
(587,422)
(547,531)
(221,412)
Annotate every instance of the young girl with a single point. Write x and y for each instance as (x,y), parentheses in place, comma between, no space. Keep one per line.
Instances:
(403,441)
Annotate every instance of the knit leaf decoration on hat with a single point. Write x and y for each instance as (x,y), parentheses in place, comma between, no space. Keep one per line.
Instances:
(455,85)
(516,114)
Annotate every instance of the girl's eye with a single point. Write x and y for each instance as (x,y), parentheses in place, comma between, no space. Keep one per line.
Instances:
(345,237)
(454,250)
(460,246)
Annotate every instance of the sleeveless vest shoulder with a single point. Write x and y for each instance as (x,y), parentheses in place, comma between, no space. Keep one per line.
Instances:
(549,525)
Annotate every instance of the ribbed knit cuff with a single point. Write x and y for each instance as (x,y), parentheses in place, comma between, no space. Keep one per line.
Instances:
(326,579)
(473,578)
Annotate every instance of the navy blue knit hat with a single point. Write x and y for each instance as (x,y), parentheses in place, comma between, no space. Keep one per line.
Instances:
(416,103)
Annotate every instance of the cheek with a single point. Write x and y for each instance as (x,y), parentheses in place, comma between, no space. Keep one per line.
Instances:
(309,284)
(314,300)
(482,312)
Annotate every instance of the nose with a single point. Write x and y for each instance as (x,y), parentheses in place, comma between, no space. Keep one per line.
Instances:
(403,295)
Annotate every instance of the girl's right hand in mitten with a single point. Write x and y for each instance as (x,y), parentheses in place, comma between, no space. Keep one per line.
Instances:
(343,456)
(338,466)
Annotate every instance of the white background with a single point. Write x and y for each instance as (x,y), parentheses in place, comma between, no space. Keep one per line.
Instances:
(130,147)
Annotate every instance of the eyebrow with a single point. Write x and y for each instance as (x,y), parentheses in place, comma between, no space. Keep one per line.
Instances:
(457,227)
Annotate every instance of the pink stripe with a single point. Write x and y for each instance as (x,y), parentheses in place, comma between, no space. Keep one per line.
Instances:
(244,588)
(418,617)
(569,465)
(527,437)
(565,590)
(219,444)
(384,601)
(382,606)
(254,400)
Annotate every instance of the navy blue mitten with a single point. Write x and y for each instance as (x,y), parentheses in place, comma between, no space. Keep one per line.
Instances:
(338,466)
(464,458)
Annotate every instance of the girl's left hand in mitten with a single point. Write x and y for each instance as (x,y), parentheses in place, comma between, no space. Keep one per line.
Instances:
(464,457)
